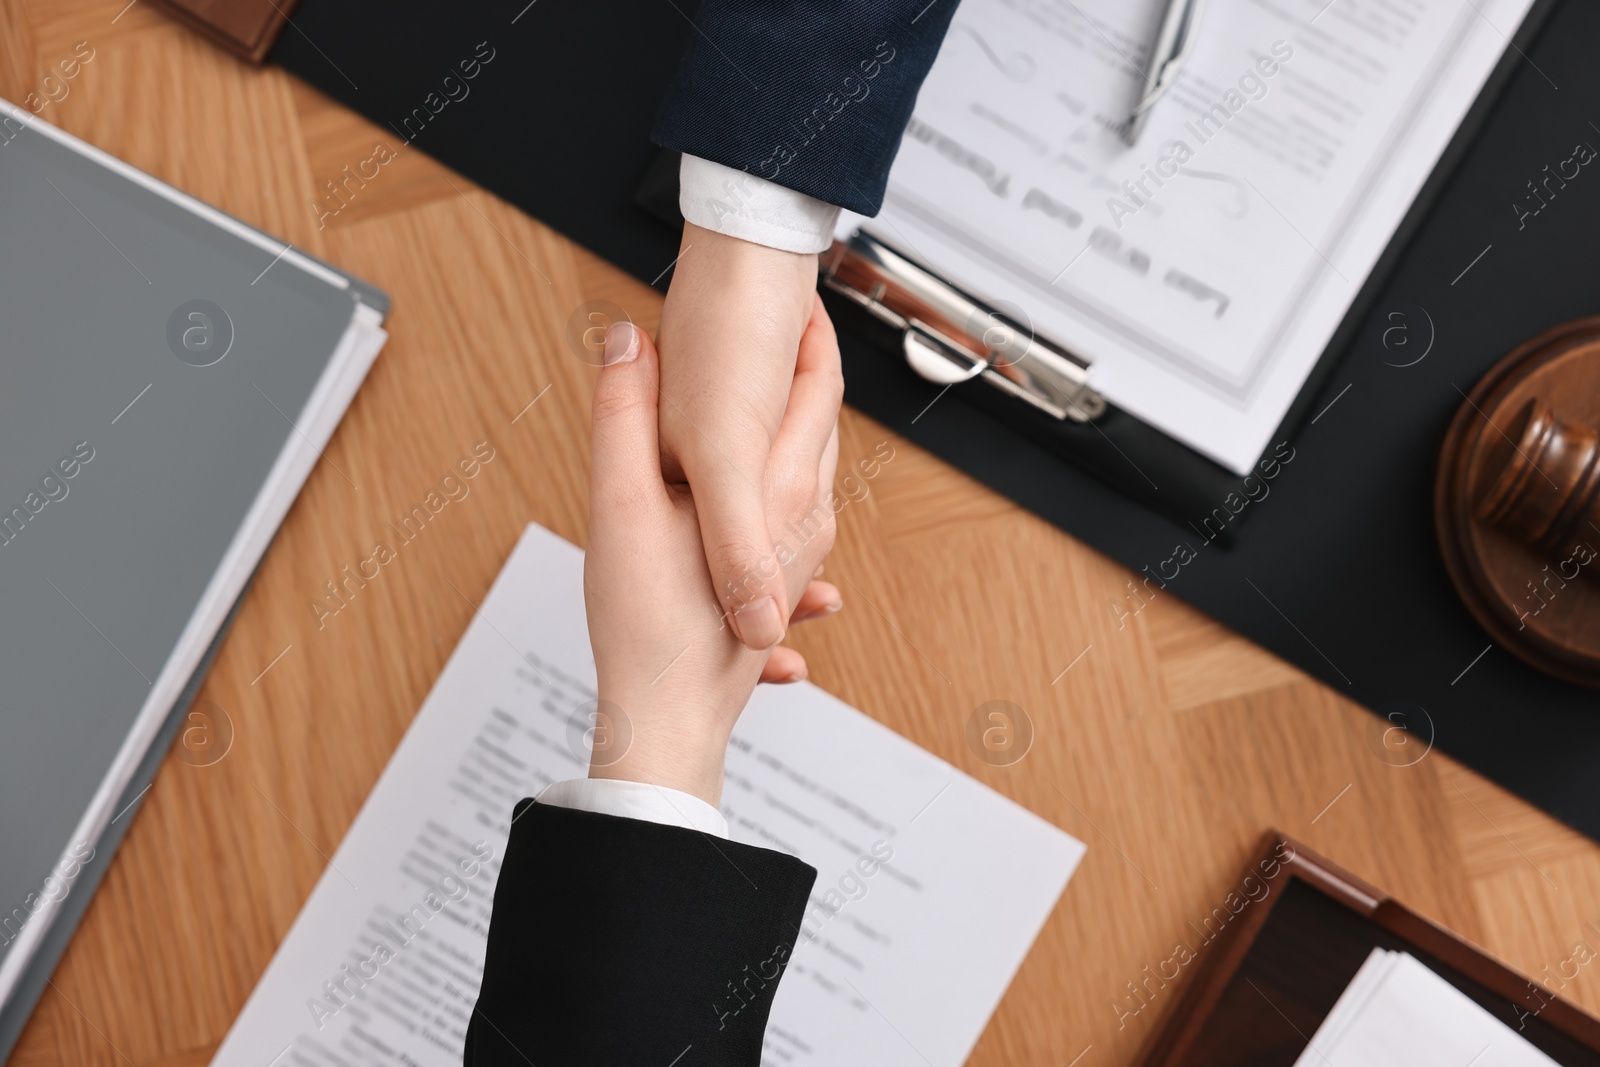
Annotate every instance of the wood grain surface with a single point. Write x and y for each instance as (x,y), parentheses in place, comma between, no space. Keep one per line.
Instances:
(1164,741)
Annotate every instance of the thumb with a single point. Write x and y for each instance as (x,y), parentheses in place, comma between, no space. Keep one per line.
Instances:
(626,457)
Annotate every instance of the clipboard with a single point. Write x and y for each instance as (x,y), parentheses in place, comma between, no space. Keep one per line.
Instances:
(950,340)
(1277,964)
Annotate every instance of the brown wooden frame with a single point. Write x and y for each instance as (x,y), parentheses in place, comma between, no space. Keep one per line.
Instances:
(1172,1043)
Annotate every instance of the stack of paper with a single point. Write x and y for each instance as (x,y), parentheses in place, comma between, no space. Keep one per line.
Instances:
(1398,1013)
(903,966)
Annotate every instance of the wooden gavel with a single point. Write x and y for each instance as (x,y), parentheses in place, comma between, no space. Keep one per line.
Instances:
(1543,477)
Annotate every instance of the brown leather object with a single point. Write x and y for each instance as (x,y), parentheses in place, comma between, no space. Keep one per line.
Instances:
(1517,502)
(247,28)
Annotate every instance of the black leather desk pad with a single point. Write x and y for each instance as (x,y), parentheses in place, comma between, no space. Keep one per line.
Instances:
(1337,569)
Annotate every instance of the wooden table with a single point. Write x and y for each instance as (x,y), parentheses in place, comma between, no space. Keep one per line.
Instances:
(1166,742)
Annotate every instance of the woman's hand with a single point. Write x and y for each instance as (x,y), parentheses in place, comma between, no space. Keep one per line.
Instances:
(732,323)
(673,677)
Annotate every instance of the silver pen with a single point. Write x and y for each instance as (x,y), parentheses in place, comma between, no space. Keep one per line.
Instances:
(1166,59)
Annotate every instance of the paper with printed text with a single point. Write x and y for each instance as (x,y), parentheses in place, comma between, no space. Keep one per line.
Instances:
(902,966)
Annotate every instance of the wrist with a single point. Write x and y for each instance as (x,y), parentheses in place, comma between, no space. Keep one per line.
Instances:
(677,747)
(696,771)
(742,263)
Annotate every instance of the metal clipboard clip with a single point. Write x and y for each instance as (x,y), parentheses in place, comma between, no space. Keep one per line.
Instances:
(950,337)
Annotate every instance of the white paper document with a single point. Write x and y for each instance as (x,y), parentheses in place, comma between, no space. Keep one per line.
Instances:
(1398,1013)
(902,967)
(1203,270)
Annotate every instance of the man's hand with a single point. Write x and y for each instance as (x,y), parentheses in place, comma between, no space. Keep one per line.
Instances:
(663,656)
(731,327)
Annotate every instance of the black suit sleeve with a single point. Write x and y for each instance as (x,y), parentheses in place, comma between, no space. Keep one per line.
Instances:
(811,94)
(621,942)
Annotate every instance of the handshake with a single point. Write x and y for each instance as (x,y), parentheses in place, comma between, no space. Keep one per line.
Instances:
(709,511)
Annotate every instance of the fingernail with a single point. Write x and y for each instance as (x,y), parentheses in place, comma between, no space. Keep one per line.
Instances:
(797,676)
(760,624)
(833,606)
(622,343)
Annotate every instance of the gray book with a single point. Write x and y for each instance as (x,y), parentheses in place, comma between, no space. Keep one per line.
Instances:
(168,377)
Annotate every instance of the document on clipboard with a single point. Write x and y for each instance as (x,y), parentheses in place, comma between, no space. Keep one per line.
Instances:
(1192,280)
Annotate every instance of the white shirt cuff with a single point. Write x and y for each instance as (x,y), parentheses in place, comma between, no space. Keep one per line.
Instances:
(636,800)
(742,205)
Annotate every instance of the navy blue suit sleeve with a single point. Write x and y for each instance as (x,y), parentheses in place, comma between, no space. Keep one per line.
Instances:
(811,94)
